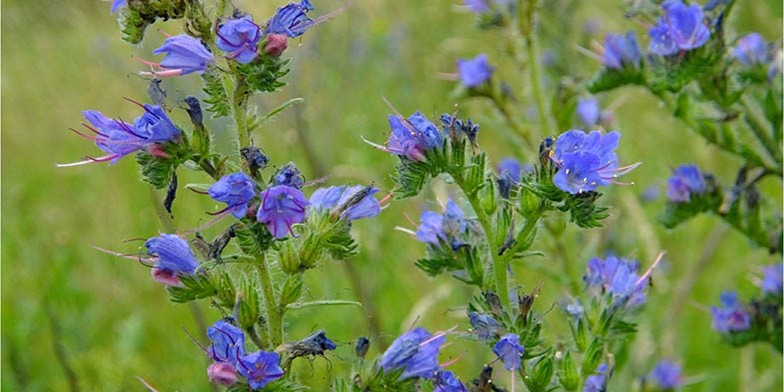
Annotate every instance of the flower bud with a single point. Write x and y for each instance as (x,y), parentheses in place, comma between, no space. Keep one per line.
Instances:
(361,348)
(289,260)
(276,44)
(167,277)
(222,373)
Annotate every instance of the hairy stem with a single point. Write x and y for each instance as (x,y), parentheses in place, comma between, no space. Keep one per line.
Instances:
(541,107)
(274,312)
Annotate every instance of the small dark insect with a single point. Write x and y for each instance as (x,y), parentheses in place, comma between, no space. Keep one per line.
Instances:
(254,159)
(156,92)
(171,193)
(194,111)
(545,150)
(493,303)
(313,345)
(361,348)
(354,199)
(485,381)
(220,242)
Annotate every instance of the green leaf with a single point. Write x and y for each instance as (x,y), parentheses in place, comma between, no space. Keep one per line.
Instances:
(609,79)
(156,171)
(196,286)
(324,302)
(253,238)
(292,289)
(217,101)
(248,302)
(568,375)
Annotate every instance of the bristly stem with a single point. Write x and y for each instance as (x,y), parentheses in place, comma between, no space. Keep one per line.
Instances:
(274,313)
(541,107)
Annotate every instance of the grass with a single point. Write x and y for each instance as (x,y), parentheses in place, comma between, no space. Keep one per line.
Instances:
(112,323)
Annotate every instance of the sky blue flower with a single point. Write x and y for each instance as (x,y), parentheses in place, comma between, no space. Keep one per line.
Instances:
(447,382)
(510,351)
(731,316)
(447,227)
(597,382)
(751,50)
(184,55)
(617,277)
(291,20)
(666,375)
(474,72)
(260,368)
(484,325)
(620,51)
(281,207)
(228,342)
(574,309)
(680,28)
(416,351)
(174,258)
(236,190)
(586,162)
(288,175)
(117,4)
(772,279)
(411,137)
(239,38)
(588,111)
(352,203)
(685,181)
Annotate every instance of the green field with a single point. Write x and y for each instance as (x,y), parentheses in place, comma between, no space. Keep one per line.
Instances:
(71,314)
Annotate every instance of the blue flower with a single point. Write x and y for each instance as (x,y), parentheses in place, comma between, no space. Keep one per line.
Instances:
(588,111)
(666,375)
(484,325)
(184,55)
(156,125)
(289,175)
(351,203)
(236,190)
(680,28)
(416,351)
(574,309)
(510,172)
(319,341)
(510,351)
(477,6)
(411,137)
(772,279)
(447,382)
(228,342)
(239,38)
(260,368)
(117,4)
(291,20)
(281,207)
(597,382)
(617,277)
(447,227)
(732,316)
(685,181)
(474,72)
(751,50)
(586,162)
(620,51)
(173,258)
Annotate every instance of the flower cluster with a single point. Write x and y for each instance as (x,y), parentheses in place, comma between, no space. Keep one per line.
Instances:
(510,173)
(349,203)
(416,352)
(686,181)
(666,375)
(239,38)
(751,50)
(620,51)
(438,229)
(680,28)
(411,137)
(228,351)
(617,277)
(173,258)
(732,316)
(474,72)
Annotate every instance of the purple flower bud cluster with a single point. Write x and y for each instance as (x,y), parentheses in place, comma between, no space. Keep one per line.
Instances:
(586,162)
(448,228)
(474,72)
(751,50)
(732,315)
(416,352)
(291,20)
(620,51)
(228,351)
(772,277)
(686,181)
(666,375)
(680,28)
(618,278)
(411,137)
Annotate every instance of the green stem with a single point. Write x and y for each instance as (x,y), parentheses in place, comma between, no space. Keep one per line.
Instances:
(502,106)
(499,263)
(541,107)
(274,312)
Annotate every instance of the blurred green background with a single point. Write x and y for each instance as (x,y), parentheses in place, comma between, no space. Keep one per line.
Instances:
(64,303)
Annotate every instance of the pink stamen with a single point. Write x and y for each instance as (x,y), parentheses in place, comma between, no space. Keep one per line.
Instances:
(94,130)
(650,269)
(126,256)
(145,62)
(209,223)
(450,363)
(164,73)
(146,384)
(386,198)
(93,138)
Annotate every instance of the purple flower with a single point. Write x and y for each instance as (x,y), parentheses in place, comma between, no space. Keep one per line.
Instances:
(731,317)
(474,72)
(447,382)
(588,111)
(511,169)
(447,227)
(184,55)
(574,309)
(260,368)
(281,207)
(477,6)
(685,181)
(411,137)
(416,351)
(291,20)
(666,374)
(352,203)
(236,190)
(484,325)
(617,277)
(174,258)
(772,279)
(228,342)
(621,50)
(222,373)
(680,28)
(587,161)
(751,50)
(156,125)
(117,4)
(239,38)
(510,351)
(597,382)
(289,175)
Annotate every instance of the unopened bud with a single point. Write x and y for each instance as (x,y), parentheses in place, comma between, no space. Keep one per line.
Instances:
(222,373)
(361,348)
(276,44)
(166,277)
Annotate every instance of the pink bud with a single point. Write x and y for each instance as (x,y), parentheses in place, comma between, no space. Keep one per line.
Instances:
(166,277)
(222,373)
(276,44)
(156,150)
